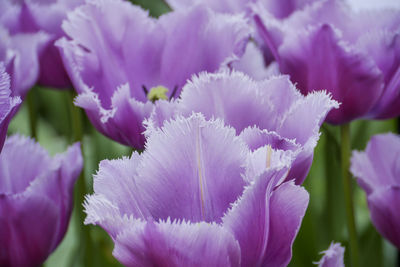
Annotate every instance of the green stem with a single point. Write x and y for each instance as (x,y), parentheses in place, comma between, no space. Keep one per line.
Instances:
(84,234)
(348,193)
(32,113)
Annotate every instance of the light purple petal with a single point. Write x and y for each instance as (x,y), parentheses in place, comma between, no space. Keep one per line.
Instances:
(17,170)
(379,165)
(378,172)
(8,104)
(20,53)
(116,194)
(39,187)
(192,169)
(123,122)
(384,47)
(20,228)
(288,205)
(333,256)
(253,215)
(176,244)
(384,205)
(28,17)
(252,63)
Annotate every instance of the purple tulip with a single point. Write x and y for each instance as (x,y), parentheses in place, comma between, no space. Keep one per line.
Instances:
(30,16)
(119,56)
(258,110)
(195,197)
(8,104)
(333,256)
(378,172)
(355,56)
(20,55)
(279,8)
(36,194)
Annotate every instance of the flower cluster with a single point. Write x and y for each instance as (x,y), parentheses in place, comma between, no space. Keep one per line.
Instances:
(222,103)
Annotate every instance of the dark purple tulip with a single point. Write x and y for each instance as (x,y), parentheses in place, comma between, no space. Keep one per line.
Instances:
(196,197)
(378,172)
(8,104)
(270,109)
(118,55)
(32,16)
(355,56)
(36,194)
(333,256)
(20,55)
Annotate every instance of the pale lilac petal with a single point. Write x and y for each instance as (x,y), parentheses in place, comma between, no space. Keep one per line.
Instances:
(20,53)
(192,169)
(288,205)
(252,63)
(176,244)
(123,122)
(333,256)
(18,171)
(378,172)
(253,215)
(39,187)
(384,47)
(116,194)
(384,205)
(379,165)
(8,104)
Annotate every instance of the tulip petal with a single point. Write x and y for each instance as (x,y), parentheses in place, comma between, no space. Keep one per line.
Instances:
(333,256)
(351,76)
(20,228)
(249,217)
(379,165)
(175,243)
(384,205)
(288,205)
(192,169)
(8,104)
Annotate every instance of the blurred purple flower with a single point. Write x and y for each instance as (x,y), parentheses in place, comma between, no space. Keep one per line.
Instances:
(355,56)
(36,194)
(190,200)
(271,109)
(20,54)
(333,256)
(118,55)
(8,104)
(33,16)
(378,172)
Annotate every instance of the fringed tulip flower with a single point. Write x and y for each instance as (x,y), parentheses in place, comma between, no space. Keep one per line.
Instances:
(270,109)
(20,55)
(189,200)
(355,56)
(279,8)
(8,104)
(377,170)
(36,195)
(120,60)
(30,16)
(333,256)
